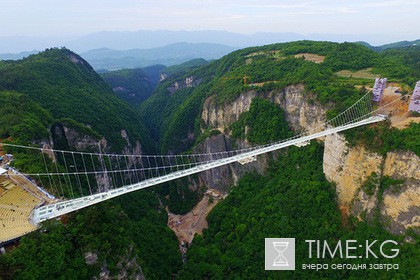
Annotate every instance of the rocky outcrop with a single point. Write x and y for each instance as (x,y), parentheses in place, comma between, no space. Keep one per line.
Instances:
(349,167)
(302,112)
(224,177)
(188,82)
(401,208)
(222,116)
(129,149)
(128,267)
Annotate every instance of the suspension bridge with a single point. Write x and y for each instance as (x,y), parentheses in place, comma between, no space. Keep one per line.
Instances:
(81,179)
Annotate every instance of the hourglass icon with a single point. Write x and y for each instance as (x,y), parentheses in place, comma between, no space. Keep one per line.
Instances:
(280,247)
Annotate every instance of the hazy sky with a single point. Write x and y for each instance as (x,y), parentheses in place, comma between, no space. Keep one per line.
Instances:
(80,17)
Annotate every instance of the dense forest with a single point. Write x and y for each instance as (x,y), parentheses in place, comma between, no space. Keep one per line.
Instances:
(66,86)
(293,198)
(127,234)
(134,85)
(272,67)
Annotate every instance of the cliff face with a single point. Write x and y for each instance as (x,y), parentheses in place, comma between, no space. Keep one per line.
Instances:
(350,167)
(224,177)
(401,207)
(301,111)
(187,83)
(300,114)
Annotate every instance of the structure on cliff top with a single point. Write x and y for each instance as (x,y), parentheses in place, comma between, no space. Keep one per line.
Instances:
(378,89)
(415,99)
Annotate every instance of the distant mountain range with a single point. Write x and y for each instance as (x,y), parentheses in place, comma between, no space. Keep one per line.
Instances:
(173,54)
(396,45)
(119,50)
(146,39)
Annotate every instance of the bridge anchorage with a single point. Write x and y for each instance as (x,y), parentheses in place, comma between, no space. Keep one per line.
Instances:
(80,179)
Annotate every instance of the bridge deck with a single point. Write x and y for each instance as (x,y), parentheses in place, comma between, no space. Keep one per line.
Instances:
(55,210)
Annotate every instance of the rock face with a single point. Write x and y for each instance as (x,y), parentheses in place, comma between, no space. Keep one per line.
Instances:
(402,207)
(76,140)
(350,167)
(300,113)
(128,267)
(224,177)
(189,82)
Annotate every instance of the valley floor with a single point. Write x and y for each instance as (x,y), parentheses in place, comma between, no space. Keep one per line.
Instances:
(186,226)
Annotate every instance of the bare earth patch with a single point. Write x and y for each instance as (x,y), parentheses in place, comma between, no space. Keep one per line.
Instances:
(311,57)
(398,112)
(185,226)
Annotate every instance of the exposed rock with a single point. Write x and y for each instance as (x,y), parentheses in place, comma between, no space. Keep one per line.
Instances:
(91,258)
(128,148)
(163,77)
(402,165)
(128,268)
(402,210)
(75,139)
(222,116)
(224,177)
(364,204)
(302,112)
(189,82)
(349,167)
(75,59)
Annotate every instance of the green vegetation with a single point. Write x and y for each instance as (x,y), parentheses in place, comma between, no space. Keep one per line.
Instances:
(179,117)
(184,68)
(393,46)
(372,182)
(134,85)
(21,119)
(177,195)
(66,86)
(293,200)
(264,121)
(129,229)
(383,138)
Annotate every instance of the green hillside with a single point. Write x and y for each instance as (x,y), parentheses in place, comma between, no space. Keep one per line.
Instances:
(66,86)
(134,85)
(269,68)
(58,88)
(292,199)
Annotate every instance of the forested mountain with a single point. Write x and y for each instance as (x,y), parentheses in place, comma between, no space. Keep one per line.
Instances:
(237,98)
(263,69)
(55,96)
(396,45)
(251,96)
(67,87)
(134,85)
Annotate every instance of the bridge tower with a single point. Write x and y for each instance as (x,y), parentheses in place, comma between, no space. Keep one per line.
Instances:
(378,89)
(415,99)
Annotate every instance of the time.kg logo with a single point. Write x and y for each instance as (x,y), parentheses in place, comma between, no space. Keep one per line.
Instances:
(279,254)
